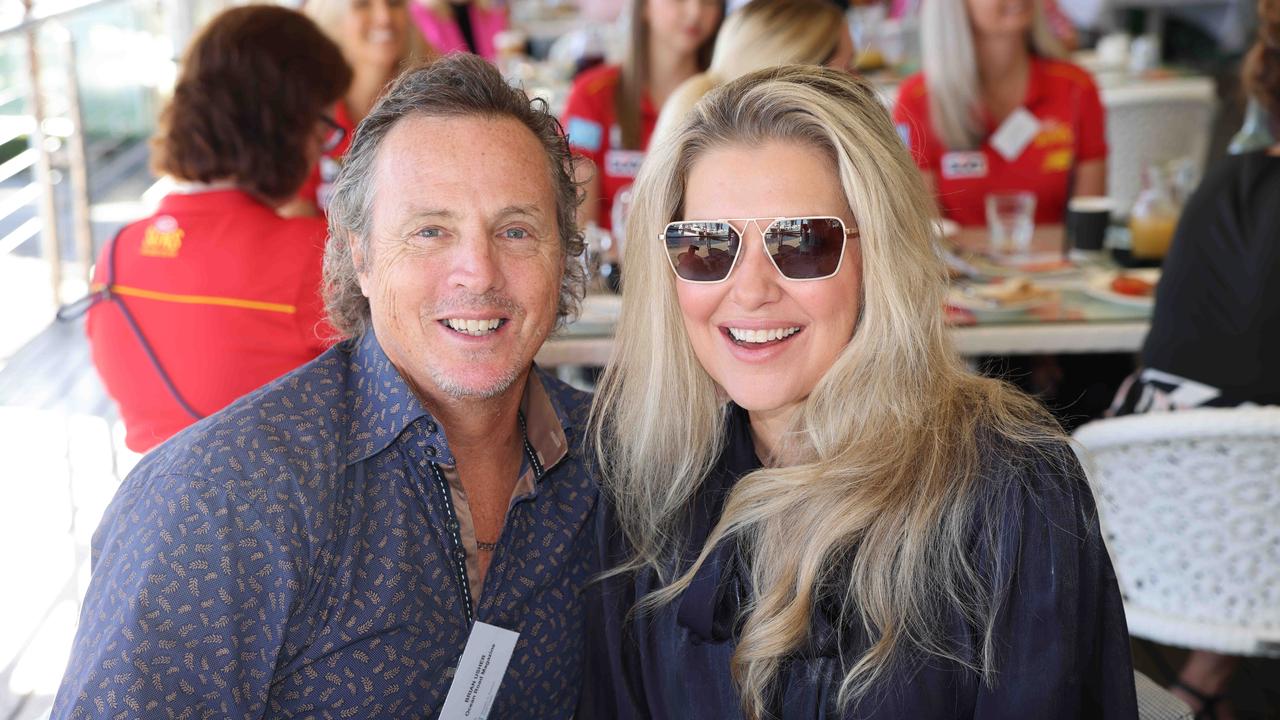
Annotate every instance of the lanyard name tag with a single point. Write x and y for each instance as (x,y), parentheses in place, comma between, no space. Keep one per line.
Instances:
(480,669)
(1015,133)
(961,165)
(623,163)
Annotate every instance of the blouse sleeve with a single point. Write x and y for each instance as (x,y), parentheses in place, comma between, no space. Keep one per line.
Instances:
(1061,643)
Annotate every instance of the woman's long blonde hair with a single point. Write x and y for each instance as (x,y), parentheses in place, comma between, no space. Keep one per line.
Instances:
(883,492)
(950,66)
(328,14)
(758,35)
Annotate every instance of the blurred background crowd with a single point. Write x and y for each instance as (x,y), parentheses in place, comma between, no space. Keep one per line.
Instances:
(1077,149)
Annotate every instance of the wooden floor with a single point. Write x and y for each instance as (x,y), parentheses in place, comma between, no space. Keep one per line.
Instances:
(53,372)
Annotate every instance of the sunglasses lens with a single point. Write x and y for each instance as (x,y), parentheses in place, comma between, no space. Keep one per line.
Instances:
(806,248)
(702,251)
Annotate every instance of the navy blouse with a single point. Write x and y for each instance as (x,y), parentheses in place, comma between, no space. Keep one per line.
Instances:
(1060,636)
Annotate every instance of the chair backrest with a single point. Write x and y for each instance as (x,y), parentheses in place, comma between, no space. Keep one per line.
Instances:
(1189,503)
(1154,124)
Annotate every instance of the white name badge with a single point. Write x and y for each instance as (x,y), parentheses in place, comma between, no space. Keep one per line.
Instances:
(623,163)
(1015,133)
(959,165)
(480,669)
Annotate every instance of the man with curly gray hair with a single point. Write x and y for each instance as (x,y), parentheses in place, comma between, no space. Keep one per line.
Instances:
(398,528)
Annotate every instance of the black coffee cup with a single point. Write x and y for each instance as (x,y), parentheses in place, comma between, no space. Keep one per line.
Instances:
(1087,221)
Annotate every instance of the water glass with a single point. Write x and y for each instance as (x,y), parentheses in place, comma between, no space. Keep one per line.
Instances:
(1011,218)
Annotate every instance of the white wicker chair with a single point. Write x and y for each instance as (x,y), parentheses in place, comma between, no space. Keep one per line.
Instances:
(1155,123)
(1189,503)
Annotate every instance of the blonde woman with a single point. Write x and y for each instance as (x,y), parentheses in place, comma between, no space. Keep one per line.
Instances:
(761,34)
(378,40)
(813,508)
(992,65)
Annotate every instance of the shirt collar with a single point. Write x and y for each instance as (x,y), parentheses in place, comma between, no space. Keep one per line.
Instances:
(546,423)
(1035,91)
(709,607)
(214,199)
(382,406)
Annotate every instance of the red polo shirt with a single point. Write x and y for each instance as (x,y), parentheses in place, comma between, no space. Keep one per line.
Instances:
(320,182)
(226,292)
(1072,131)
(591,123)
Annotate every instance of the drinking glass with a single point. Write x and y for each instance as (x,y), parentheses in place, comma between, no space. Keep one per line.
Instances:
(1011,218)
(595,257)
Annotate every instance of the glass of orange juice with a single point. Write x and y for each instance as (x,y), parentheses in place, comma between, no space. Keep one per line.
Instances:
(1154,217)
(1151,235)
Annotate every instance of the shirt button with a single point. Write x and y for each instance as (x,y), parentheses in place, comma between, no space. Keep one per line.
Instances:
(431,427)
(453,525)
(431,451)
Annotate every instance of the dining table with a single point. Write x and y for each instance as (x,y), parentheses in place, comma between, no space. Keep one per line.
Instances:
(1081,315)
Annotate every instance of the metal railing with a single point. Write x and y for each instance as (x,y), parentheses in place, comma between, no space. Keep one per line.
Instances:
(54,126)
(39,156)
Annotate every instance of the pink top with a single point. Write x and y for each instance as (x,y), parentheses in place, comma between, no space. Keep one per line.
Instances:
(443,33)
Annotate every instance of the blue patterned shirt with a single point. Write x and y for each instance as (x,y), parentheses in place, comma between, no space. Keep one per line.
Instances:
(298,555)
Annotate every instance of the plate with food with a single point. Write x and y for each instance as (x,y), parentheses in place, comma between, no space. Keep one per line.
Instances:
(1012,295)
(1130,287)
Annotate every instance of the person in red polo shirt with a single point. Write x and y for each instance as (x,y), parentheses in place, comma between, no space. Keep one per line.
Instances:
(994,110)
(612,109)
(378,39)
(216,294)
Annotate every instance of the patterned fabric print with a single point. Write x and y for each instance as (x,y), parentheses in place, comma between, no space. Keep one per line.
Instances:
(1151,390)
(291,557)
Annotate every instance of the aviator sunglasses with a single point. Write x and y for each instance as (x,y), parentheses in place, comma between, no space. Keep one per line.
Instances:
(801,248)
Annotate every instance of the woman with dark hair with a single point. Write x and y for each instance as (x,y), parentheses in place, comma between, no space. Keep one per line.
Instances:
(1215,332)
(612,109)
(216,294)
